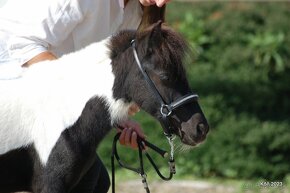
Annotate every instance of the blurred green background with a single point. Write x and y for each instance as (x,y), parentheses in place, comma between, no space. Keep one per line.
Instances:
(240,67)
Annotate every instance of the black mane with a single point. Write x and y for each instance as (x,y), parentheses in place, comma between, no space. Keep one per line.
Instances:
(172,49)
(120,42)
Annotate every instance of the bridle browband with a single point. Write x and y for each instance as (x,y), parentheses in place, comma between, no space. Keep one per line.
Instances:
(166,112)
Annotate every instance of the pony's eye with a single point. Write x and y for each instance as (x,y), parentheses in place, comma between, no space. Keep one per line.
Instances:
(164,77)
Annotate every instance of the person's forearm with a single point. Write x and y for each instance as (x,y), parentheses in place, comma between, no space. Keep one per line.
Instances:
(40,57)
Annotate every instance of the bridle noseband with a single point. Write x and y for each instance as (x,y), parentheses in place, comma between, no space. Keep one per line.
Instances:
(166,112)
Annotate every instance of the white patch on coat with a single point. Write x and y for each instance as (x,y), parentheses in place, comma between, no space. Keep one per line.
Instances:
(50,97)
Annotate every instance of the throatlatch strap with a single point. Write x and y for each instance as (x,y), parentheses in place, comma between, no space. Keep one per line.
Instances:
(145,75)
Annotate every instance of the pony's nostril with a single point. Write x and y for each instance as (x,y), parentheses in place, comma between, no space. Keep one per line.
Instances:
(202,129)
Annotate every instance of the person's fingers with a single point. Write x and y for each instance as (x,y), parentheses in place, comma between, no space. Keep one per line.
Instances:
(139,132)
(147,2)
(128,136)
(160,3)
(130,133)
(134,143)
(135,126)
(122,136)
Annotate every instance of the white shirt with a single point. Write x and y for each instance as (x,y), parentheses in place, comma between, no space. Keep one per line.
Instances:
(30,27)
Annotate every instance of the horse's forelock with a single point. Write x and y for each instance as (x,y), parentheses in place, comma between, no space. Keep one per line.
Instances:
(176,49)
(171,52)
(120,42)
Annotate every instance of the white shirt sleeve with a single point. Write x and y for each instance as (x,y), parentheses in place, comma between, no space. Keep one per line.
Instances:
(30,27)
(33,31)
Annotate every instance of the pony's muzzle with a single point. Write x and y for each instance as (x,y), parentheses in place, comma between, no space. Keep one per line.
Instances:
(194,132)
(201,132)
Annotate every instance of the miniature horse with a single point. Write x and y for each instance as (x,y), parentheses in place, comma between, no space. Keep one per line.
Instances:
(53,118)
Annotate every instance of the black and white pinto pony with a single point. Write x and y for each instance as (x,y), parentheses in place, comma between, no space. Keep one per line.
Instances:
(53,118)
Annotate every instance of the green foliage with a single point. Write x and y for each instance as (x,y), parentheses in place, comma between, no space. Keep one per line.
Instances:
(242,77)
(193,29)
(241,72)
(266,49)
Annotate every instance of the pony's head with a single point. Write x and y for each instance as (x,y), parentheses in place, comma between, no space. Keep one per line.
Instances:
(160,53)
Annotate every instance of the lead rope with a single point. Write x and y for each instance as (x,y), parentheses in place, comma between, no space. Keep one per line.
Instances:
(171,159)
(141,148)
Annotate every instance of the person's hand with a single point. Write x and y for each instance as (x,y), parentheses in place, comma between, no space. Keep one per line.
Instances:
(129,134)
(159,3)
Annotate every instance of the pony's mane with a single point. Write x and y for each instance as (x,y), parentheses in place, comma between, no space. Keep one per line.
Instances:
(120,42)
(172,47)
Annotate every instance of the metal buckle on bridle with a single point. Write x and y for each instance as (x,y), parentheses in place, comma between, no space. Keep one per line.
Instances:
(165,110)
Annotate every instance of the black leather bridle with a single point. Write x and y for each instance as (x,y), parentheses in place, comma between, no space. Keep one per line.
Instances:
(165,109)
(166,112)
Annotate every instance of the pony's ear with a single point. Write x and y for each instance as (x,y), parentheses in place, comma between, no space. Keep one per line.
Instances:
(154,38)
